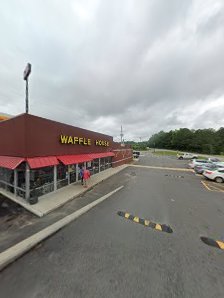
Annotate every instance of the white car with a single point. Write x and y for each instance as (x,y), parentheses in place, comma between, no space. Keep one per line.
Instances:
(216,175)
(197,162)
(186,156)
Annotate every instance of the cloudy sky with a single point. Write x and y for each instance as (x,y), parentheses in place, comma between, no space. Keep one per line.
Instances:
(148,65)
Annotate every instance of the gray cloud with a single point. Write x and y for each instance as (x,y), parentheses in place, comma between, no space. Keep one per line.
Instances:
(99,64)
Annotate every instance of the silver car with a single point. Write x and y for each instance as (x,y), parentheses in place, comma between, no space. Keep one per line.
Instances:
(216,175)
(197,162)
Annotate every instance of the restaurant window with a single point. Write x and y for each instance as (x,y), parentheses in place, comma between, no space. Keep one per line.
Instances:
(7,179)
(41,181)
(62,176)
(72,173)
(80,165)
(102,164)
(96,166)
(107,162)
(89,166)
(21,172)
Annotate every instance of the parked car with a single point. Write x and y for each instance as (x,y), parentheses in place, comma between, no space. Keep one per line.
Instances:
(213,159)
(186,156)
(199,169)
(219,164)
(197,162)
(136,154)
(215,175)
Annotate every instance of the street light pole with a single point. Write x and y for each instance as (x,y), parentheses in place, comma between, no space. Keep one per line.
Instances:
(27,104)
(26,74)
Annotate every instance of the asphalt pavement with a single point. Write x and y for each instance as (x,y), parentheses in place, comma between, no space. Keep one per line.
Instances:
(102,254)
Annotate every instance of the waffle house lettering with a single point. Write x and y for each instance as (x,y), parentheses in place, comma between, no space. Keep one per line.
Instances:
(102,143)
(75,140)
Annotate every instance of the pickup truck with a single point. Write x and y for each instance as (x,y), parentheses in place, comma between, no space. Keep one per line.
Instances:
(186,156)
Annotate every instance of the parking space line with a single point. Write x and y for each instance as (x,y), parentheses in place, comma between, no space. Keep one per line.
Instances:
(146,223)
(205,185)
(211,187)
(216,188)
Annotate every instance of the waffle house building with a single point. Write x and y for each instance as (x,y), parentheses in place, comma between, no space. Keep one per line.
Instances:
(39,156)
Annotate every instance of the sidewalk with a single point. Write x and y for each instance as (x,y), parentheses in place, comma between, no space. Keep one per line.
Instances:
(54,200)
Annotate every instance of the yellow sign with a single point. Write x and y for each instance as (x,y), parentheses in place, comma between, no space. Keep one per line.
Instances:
(101,143)
(75,140)
(81,141)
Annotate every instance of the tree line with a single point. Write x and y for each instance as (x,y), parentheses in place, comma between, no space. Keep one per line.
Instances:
(208,141)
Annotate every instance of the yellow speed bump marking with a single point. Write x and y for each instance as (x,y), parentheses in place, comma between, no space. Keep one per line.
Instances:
(221,244)
(158,227)
(146,223)
(214,243)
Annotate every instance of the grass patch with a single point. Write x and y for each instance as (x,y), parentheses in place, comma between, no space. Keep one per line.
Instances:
(174,153)
(168,153)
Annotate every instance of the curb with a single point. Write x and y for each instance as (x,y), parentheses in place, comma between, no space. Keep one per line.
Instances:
(16,251)
(163,168)
(82,192)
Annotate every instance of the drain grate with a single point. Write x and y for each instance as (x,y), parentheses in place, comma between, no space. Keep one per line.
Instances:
(174,176)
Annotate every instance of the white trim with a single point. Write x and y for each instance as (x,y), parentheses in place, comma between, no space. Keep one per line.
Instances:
(55,177)
(27,181)
(15,181)
(122,149)
(122,159)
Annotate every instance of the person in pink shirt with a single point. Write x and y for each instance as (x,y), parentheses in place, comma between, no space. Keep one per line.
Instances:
(86,176)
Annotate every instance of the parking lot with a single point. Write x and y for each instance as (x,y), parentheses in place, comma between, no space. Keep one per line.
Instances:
(212,186)
(109,251)
(149,159)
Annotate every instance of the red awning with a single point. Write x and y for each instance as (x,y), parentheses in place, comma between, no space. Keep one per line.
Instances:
(10,162)
(41,162)
(101,154)
(74,159)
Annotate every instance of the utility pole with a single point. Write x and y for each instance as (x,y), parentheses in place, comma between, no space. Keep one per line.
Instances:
(121,135)
(26,74)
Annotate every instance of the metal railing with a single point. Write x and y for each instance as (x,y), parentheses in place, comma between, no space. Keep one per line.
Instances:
(11,188)
(62,183)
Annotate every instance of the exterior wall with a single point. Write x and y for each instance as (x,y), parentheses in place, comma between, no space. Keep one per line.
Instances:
(12,137)
(29,136)
(122,156)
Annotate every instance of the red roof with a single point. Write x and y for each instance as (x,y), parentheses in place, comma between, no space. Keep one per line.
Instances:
(101,154)
(10,162)
(41,162)
(74,159)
